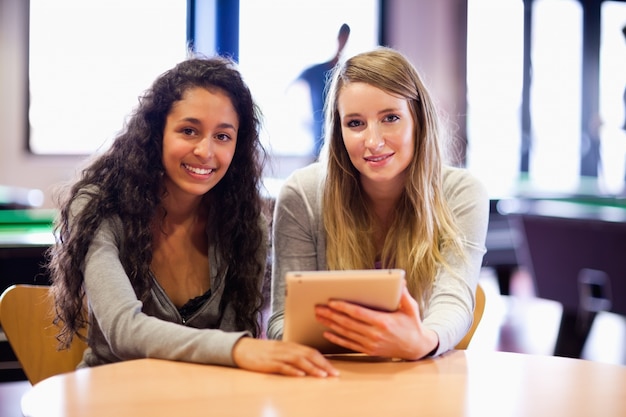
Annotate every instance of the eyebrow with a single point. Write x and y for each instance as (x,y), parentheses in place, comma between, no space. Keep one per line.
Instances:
(192,120)
(196,121)
(383,111)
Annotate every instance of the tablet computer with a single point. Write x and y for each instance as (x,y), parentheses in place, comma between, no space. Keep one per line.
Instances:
(374,288)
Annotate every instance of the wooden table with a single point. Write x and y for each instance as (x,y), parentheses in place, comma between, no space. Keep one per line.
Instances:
(459,383)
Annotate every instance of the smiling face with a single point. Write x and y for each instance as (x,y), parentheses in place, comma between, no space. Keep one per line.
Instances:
(199,142)
(378,133)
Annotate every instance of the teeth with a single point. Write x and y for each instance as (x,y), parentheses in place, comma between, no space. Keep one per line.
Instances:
(199,171)
(377,159)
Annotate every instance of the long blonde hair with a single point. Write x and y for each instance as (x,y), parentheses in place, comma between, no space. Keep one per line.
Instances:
(423,225)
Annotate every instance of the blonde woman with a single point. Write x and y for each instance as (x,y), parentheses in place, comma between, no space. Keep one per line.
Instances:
(383,197)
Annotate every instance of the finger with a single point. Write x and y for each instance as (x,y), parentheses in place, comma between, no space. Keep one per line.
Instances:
(353,311)
(348,326)
(286,369)
(349,333)
(313,364)
(343,342)
(322,364)
(307,359)
(408,305)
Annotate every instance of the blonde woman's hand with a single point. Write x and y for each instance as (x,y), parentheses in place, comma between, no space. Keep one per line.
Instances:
(277,357)
(398,334)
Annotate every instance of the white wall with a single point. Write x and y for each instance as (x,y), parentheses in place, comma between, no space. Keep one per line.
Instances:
(430,32)
(17,166)
(433,36)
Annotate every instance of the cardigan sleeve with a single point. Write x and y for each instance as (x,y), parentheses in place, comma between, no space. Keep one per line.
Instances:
(450,310)
(298,236)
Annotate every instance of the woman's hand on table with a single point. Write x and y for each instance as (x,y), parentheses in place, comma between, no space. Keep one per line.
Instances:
(285,358)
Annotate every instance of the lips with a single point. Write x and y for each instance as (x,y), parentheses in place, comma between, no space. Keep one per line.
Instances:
(378,158)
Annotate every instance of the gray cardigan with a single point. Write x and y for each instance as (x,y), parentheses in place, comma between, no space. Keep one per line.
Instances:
(299,244)
(121,327)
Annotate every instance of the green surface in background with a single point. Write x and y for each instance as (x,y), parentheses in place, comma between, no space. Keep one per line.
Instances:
(29,220)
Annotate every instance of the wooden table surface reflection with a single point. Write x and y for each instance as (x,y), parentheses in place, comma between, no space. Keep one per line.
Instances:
(459,383)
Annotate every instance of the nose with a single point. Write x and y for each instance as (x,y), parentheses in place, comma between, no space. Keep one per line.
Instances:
(374,140)
(203,149)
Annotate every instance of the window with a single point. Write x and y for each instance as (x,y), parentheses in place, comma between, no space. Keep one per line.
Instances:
(90,61)
(494,89)
(564,152)
(274,50)
(613,94)
(555,96)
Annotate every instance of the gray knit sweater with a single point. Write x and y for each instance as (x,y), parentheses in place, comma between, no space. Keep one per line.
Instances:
(122,327)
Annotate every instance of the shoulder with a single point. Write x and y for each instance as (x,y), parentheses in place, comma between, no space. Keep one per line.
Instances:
(301,194)
(307,182)
(80,200)
(459,182)
(80,208)
(311,171)
(465,194)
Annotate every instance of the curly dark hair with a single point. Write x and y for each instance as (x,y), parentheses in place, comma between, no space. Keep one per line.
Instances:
(126,181)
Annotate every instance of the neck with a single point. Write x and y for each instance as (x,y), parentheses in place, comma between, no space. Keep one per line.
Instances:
(188,214)
(383,197)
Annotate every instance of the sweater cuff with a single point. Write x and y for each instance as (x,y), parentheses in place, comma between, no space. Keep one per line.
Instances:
(226,358)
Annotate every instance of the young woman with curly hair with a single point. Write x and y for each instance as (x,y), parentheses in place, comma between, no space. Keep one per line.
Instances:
(162,242)
(382,196)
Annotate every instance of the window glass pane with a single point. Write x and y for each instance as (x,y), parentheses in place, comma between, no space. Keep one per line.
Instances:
(88,63)
(556,94)
(494,80)
(613,95)
(274,51)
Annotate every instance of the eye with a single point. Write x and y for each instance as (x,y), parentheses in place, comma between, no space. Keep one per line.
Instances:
(222,137)
(354,123)
(391,118)
(187,131)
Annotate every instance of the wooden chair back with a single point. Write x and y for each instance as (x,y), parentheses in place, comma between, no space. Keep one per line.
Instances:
(26,314)
(479,309)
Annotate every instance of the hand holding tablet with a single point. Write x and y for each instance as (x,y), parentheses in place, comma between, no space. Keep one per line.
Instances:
(378,289)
